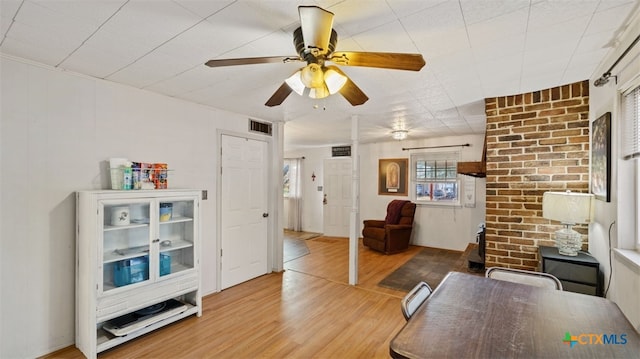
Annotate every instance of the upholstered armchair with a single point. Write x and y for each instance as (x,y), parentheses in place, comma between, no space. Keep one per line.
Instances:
(392,234)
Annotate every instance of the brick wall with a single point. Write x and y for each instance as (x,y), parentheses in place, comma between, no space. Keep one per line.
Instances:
(536,142)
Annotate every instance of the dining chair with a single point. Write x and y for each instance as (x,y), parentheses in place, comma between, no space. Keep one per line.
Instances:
(414,299)
(538,279)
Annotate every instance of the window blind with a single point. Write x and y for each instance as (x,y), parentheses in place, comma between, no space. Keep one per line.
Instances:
(631,118)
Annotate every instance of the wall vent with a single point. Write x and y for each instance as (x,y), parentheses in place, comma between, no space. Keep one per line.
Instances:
(261,127)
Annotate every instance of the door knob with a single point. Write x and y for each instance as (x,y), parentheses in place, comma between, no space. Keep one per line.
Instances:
(265,215)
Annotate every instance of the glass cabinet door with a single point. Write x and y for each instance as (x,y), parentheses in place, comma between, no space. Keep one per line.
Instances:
(126,235)
(176,236)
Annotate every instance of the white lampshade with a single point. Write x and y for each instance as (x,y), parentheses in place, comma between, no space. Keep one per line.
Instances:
(334,80)
(295,82)
(319,92)
(568,207)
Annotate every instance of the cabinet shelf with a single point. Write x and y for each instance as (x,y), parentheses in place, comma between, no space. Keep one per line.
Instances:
(176,244)
(177,219)
(108,228)
(117,255)
(106,340)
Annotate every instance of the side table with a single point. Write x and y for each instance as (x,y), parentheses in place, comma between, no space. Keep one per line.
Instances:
(580,274)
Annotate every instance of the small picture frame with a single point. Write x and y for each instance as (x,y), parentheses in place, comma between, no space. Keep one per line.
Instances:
(601,158)
(392,176)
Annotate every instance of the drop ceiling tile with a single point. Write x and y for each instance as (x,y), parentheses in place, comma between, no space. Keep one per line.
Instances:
(475,11)
(389,37)
(104,54)
(203,8)
(352,18)
(547,14)
(439,19)
(432,46)
(45,20)
(403,8)
(93,13)
(34,44)
(500,34)
(8,10)
(150,69)
(150,22)
(607,19)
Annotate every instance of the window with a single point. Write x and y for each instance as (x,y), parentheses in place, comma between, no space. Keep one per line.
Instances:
(285,180)
(434,178)
(631,145)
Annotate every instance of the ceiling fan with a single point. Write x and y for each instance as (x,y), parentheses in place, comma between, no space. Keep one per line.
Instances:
(315,41)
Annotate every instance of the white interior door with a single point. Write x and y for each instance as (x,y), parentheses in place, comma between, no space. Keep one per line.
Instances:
(244,210)
(337,192)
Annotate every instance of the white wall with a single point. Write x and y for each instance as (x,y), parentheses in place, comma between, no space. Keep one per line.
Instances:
(56,131)
(617,214)
(435,226)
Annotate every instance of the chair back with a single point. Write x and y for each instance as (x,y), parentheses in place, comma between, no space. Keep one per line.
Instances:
(407,213)
(414,299)
(538,279)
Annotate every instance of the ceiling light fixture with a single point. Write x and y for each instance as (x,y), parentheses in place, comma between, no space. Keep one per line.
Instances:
(316,82)
(399,134)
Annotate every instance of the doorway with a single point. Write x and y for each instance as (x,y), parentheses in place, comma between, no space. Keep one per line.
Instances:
(337,197)
(244,210)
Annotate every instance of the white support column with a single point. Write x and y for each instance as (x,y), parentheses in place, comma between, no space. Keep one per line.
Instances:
(277,242)
(354,218)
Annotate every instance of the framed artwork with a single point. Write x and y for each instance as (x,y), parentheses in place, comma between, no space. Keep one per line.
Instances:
(601,158)
(392,176)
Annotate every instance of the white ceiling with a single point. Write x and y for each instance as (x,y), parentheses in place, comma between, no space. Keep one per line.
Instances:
(474,49)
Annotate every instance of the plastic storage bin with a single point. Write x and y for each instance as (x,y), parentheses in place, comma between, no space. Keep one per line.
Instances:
(130,271)
(165,264)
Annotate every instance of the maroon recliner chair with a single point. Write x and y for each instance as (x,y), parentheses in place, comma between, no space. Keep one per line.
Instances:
(394,233)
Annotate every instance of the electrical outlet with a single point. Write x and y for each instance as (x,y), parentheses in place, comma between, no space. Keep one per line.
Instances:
(204,194)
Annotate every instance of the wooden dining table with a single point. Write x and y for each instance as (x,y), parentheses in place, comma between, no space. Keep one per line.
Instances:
(469,316)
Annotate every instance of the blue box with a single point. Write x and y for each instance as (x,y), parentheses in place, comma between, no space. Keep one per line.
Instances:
(130,271)
(165,264)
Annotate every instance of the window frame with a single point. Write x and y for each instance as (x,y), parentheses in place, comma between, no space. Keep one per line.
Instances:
(451,158)
(632,186)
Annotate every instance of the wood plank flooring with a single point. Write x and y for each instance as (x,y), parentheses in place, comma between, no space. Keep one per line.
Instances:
(307,311)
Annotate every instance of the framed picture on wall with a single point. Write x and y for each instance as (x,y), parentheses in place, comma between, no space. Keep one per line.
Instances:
(601,157)
(392,176)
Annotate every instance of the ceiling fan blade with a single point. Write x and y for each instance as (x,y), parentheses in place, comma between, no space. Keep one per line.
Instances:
(353,94)
(383,60)
(251,61)
(316,24)
(350,90)
(279,96)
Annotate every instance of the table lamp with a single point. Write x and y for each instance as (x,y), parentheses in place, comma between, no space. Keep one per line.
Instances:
(568,208)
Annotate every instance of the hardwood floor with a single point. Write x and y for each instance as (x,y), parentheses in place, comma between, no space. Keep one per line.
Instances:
(307,311)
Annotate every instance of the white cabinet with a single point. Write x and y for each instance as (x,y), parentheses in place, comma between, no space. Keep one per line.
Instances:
(137,266)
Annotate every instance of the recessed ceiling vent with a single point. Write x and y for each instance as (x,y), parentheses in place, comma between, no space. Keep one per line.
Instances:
(261,127)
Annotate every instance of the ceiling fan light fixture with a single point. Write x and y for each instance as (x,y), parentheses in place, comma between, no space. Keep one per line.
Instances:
(399,134)
(312,76)
(334,80)
(295,83)
(319,92)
